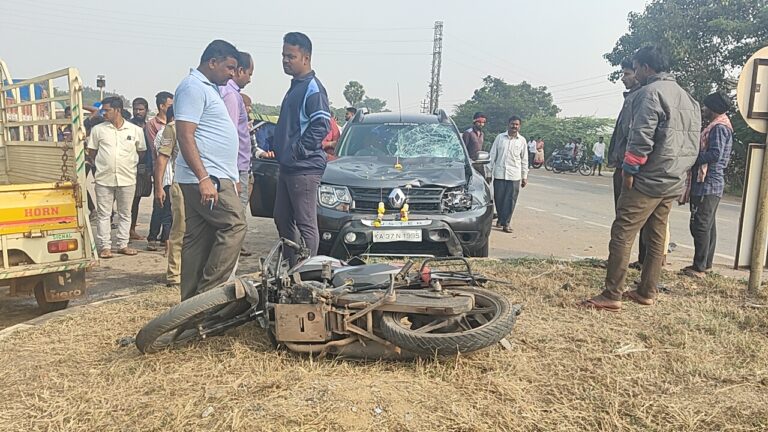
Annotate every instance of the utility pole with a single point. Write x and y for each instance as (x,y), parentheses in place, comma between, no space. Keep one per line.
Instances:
(101,82)
(437,53)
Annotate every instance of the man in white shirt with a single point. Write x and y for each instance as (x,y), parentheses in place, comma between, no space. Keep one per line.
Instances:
(115,147)
(509,161)
(598,151)
(531,152)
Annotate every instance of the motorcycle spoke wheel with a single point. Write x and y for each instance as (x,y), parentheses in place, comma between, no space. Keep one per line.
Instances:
(490,320)
(182,323)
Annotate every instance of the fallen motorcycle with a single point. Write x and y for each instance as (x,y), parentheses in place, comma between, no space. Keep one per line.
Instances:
(327,306)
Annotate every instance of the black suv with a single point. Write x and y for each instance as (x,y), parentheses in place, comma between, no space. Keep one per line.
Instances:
(395,159)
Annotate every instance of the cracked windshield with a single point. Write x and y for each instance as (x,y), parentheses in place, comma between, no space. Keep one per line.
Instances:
(403,140)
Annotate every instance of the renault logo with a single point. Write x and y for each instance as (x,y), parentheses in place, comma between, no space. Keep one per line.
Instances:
(396,198)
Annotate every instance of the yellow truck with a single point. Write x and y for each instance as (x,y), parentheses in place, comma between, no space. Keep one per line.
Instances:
(45,235)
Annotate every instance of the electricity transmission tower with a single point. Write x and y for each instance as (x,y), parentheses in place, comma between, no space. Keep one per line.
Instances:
(437,53)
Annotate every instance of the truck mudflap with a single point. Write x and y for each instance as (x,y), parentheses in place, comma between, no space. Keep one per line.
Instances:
(64,286)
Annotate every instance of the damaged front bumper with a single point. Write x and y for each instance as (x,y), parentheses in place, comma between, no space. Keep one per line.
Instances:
(348,234)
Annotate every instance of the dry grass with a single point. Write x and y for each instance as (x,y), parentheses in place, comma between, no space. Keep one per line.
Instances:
(696,361)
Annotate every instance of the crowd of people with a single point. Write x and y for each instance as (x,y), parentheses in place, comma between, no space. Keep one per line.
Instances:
(660,154)
(195,155)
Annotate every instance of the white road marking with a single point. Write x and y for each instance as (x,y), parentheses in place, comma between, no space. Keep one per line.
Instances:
(541,185)
(730,205)
(564,216)
(685,246)
(535,209)
(597,224)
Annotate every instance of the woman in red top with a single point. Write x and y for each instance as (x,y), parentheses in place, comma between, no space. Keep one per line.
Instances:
(329,143)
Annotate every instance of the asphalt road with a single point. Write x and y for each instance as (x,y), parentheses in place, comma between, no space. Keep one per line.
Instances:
(570,216)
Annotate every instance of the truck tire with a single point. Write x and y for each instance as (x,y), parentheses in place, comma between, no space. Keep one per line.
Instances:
(44,305)
(450,343)
(154,335)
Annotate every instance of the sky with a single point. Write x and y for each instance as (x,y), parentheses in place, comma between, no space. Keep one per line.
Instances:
(143,47)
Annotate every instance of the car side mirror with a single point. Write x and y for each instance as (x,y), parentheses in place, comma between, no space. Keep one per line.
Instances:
(483,157)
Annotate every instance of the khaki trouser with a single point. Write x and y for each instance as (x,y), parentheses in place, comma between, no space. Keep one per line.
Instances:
(176,238)
(212,239)
(634,210)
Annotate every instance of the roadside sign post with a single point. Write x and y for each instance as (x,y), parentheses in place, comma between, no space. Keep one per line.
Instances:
(752,95)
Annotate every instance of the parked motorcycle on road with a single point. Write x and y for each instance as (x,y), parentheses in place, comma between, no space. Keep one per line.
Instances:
(567,163)
(327,306)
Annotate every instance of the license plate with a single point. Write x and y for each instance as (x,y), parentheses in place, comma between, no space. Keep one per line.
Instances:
(386,236)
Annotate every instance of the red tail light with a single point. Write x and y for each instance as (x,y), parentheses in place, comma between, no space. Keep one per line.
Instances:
(59,246)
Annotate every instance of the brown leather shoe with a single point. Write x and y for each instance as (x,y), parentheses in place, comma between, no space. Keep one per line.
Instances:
(128,251)
(507,229)
(105,253)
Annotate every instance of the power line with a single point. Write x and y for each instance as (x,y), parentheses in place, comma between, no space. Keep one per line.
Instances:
(581,80)
(207,23)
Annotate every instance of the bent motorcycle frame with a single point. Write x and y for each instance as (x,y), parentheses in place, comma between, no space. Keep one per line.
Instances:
(345,323)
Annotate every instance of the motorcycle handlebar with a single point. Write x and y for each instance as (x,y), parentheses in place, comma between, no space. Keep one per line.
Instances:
(291,244)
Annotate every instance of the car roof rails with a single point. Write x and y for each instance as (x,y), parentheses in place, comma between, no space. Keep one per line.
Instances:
(442,116)
(359,115)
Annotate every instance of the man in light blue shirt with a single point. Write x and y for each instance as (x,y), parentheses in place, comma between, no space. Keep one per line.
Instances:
(207,173)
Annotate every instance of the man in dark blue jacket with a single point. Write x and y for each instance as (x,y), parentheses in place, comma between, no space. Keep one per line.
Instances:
(304,122)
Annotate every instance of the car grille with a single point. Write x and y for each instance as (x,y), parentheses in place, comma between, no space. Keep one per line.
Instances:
(420,200)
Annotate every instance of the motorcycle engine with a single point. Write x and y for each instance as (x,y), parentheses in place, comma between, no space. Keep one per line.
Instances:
(301,293)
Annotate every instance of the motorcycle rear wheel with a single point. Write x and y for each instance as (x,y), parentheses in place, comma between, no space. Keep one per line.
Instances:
(179,324)
(491,319)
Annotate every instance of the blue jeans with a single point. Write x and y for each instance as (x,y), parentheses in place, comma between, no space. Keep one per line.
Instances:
(161,218)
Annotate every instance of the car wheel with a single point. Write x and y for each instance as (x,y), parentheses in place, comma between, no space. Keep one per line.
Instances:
(479,251)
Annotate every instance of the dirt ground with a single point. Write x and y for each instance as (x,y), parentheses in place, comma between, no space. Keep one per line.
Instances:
(696,361)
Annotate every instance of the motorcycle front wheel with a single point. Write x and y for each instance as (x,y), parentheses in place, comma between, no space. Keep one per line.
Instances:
(182,323)
(585,169)
(489,321)
(548,164)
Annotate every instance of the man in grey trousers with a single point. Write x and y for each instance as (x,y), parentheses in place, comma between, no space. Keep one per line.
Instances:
(304,122)
(207,173)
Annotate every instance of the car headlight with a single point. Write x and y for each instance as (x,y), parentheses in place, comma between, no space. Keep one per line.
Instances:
(334,197)
(457,200)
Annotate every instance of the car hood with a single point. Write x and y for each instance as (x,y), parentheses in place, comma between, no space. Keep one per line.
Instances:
(374,171)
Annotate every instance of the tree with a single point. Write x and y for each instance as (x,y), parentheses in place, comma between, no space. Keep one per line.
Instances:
(374,105)
(266,109)
(499,100)
(707,42)
(354,93)
(92,95)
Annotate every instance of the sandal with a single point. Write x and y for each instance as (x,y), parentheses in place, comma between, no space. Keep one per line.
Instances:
(105,253)
(127,251)
(637,298)
(592,304)
(692,272)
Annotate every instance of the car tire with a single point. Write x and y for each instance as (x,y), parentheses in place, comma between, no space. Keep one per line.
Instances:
(479,251)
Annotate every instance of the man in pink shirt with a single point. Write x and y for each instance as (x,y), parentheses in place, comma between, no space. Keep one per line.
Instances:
(239,115)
